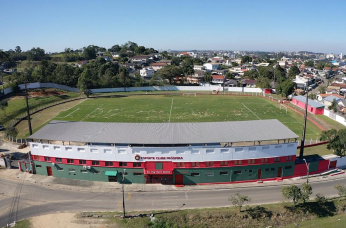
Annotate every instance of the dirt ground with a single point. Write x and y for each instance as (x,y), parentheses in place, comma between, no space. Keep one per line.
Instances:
(40,118)
(68,220)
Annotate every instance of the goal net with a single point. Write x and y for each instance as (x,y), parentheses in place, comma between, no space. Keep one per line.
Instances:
(189,94)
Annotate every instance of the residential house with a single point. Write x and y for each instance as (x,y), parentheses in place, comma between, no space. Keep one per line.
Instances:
(322,96)
(183,54)
(231,83)
(328,100)
(169,62)
(283,63)
(158,66)
(218,79)
(211,66)
(220,72)
(248,83)
(115,55)
(198,67)
(147,72)
(141,59)
(81,63)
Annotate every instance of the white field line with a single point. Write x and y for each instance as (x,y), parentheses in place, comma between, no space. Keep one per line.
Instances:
(71,108)
(69,113)
(92,112)
(170,113)
(56,117)
(251,111)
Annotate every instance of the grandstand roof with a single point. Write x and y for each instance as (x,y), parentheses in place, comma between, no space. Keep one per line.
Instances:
(164,133)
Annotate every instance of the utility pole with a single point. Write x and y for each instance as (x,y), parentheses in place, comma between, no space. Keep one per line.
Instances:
(301,153)
(307,168)
(27,109)
(123,194)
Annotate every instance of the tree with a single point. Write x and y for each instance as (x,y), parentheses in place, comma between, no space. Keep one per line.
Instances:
(3,105)
(18,49)
(12,132)
(175,61)
(89,52)
(292,192)
(229,75)
(208,77)
(285,88)
(309,63)
(322,89)
(341,188)
(84,82)
(115,48)
(246,59)
(187,67)
(333,106)
(306,191)
(328,135)
(169,72)
(36,54)
(251,74)
(239,200)
(263,82)
(313,96)
(338,143)
(294,70)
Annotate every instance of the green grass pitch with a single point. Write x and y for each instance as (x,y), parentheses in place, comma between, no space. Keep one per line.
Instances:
(203,108)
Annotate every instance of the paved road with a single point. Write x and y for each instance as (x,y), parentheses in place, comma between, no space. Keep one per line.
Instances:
(36,200)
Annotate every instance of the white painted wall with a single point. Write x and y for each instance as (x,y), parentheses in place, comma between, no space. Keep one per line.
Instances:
(189,154)
(207,87)
(341,162)
(337,118)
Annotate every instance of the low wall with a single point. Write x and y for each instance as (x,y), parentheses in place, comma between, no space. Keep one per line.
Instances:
(334,116)
(37,85)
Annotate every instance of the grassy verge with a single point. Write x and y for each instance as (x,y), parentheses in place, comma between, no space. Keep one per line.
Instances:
(332,123)
(338,221)
(23,224)
(316,150)
(17,105)
(271,215)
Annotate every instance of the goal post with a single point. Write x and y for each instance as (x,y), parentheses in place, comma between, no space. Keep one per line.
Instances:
(189,94)
(283,107)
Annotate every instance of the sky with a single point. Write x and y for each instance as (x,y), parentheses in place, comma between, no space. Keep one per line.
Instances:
(261,25)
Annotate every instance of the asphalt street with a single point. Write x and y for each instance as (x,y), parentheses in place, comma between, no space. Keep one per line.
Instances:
(34,200)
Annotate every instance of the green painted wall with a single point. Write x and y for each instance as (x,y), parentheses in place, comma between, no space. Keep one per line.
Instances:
(313,166)
(212,175)
(90,175)
(206,175)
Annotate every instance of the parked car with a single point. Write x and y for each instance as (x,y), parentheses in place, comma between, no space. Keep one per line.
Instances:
(1,128)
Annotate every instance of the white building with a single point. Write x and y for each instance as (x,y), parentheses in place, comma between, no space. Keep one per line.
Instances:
(147,72)
(211,66)
(198,67)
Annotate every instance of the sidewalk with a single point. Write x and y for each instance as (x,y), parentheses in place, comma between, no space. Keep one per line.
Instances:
(96,186)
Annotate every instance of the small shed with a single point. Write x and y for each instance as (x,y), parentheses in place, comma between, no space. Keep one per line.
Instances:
(313,106)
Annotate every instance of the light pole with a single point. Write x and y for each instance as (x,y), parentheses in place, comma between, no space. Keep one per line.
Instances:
(27,109)
(307,168)
(302,144)
(123,194)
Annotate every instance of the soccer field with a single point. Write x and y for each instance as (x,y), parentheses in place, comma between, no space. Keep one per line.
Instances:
(177,108)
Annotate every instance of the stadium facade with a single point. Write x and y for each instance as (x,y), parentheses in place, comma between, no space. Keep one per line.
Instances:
(167,153)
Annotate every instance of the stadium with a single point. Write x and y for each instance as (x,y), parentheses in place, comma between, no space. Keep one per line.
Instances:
(167,153)
(171,139)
